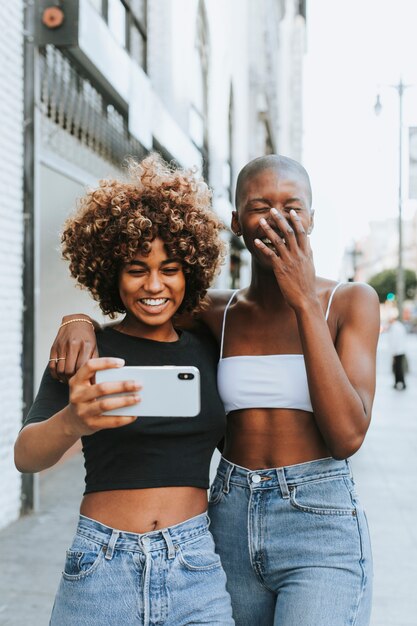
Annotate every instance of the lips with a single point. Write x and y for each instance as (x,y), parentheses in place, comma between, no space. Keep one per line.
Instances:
(153,305)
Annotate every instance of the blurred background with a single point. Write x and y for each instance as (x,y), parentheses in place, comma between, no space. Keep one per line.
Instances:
(211,85)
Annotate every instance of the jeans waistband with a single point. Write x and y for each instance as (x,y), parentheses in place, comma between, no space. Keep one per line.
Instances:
(282,477)
(115,539)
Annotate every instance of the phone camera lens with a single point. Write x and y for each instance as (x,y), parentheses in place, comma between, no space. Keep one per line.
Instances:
(186,376)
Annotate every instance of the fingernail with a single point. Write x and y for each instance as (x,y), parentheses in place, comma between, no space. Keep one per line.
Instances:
(119,362)
(293,213)
(262,221)
(274,211)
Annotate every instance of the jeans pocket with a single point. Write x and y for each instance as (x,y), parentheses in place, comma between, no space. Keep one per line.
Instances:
(199,555)
(326,496)
(82,561)
(216,492)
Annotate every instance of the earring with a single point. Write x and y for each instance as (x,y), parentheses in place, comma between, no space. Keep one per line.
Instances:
(238,233)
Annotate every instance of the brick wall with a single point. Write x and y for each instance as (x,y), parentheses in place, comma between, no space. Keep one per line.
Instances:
(11,248)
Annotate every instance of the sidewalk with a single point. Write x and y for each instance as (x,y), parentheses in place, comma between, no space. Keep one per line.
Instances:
(385,471)
(32,550)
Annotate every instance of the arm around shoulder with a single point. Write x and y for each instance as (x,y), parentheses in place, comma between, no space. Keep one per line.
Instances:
(73,345)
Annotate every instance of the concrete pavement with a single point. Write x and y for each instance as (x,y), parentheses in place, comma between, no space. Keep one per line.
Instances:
(32,549)
(385,470)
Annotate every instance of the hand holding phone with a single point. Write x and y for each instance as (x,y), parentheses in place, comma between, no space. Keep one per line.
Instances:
(166,390)
(89,403)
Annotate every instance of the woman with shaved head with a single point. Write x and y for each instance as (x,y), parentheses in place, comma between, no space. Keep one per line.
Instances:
(297,377)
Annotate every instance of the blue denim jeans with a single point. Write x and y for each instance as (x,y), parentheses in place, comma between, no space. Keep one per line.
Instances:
(294,543)
(171,576)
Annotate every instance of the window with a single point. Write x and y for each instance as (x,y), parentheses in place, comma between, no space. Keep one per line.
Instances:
(136,30)
(116,20)
(199,108)
(127,20)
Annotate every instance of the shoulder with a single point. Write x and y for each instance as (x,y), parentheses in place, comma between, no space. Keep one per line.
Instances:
(218,298)
(356,303)
(215,304)
(358,293)
(343,293)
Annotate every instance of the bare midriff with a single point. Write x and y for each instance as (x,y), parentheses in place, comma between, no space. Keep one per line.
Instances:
(144,510)
(266,438)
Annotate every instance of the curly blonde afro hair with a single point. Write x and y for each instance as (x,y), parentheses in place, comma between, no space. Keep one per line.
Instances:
(120,219)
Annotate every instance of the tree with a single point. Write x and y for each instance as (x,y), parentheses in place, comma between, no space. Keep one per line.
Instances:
(386,282)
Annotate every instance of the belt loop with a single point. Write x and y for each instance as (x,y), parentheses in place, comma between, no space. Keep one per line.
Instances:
(349,466)
(282,482)
(229,470)
(111,545)
(168,541)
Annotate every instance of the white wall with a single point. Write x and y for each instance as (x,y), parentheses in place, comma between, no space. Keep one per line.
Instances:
(11,251)
(56,293)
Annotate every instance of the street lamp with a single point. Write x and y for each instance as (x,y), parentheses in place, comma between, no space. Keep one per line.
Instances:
(400,88)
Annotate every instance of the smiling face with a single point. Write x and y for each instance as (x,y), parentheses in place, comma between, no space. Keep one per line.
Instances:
(152,288)
(283,189)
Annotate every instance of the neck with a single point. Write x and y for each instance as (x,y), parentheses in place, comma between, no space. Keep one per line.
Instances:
(264,288)
(166,333)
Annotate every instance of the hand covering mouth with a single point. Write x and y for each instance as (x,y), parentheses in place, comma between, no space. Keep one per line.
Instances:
(268,242)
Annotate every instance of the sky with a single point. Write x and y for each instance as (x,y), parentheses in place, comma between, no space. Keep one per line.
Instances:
(356,49)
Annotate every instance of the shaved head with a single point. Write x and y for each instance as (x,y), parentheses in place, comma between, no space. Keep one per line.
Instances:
(280,164)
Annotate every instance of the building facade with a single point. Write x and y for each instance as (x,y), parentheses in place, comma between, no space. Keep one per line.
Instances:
(11,251)
(207,84)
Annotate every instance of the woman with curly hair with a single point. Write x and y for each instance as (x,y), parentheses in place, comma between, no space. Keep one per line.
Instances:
(147,248)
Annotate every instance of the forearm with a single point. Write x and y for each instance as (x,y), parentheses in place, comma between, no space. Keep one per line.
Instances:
(337,406)
(41,445)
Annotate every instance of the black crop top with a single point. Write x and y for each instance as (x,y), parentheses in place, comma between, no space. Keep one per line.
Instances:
(150,452)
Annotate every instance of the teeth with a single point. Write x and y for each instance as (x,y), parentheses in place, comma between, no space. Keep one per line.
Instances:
(154,301)
(269,243)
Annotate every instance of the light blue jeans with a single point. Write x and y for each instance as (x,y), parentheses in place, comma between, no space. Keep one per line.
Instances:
(171,577)
(294,543)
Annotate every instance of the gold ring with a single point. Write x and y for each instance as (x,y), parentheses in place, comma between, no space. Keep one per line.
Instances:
(59,358)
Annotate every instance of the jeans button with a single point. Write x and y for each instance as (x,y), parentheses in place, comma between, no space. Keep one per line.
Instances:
(256,478)
(145,542)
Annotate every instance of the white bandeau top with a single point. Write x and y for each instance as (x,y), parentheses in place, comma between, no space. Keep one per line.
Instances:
(276,381)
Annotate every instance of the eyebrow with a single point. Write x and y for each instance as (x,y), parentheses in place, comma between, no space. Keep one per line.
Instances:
(143,264)
(258,200)
(293,200)
(271,203)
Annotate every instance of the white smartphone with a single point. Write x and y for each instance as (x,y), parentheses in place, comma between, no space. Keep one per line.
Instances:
(167,390)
